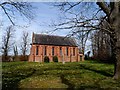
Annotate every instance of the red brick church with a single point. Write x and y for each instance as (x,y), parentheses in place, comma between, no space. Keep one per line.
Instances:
(49,45)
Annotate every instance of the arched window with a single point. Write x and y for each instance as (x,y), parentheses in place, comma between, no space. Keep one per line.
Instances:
(45,50)
(67,51)
(73,51)
(53,51)
(37,50)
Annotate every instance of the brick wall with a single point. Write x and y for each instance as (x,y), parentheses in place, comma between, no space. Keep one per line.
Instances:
(67,58)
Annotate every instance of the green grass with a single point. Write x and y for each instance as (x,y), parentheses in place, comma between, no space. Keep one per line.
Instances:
(87,74)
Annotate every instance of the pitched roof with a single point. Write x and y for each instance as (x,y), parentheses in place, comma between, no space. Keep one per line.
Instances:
(43,39)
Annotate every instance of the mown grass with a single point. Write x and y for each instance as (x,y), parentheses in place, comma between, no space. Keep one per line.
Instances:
(87,74)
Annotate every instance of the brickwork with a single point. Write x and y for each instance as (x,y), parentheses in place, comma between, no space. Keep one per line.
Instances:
(68,55)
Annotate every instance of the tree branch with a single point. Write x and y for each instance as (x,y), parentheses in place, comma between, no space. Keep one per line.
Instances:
(8,15)
(72,6)
(104,7)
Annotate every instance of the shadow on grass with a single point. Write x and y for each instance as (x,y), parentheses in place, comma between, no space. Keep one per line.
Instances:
(65,81)
(96,71)
(71,86)
(110,62)
(11,83)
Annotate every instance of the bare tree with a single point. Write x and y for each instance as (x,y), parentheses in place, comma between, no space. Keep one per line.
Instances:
(101,46)
(15,49)
(81,40)
(107,11)
(7,41)
(24,46)
(10,8)
(113,19)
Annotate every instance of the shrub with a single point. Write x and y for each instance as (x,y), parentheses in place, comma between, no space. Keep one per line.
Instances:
(5,58)
(46,59)
(55,59)
(86,57)
(16,58)
(23,58)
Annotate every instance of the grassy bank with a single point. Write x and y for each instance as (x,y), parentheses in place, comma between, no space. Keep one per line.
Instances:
(87,74)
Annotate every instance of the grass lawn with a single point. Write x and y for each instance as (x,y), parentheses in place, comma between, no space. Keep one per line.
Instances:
(84,75)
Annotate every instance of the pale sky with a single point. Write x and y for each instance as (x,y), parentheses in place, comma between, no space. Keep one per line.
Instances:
(44,13)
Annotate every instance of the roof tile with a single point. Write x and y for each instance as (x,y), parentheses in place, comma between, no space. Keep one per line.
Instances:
(53,40)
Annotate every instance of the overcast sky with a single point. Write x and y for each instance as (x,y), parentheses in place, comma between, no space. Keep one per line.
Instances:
(44,15)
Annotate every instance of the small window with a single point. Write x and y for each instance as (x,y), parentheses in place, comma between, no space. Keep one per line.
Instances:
(67,51)
(45,50)
(73,51)
(53,51)
(60,51)
(37,50)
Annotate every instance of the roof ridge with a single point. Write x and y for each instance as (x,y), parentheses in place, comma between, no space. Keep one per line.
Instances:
(54,35)
(50,35)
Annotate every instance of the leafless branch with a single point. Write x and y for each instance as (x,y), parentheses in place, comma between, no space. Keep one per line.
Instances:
(7,41)
(8,15)
(24,43)
(25,9)
(103,6)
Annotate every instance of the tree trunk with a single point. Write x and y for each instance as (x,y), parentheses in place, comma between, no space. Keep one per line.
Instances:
(117,48)
(117,65)
(115,23)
